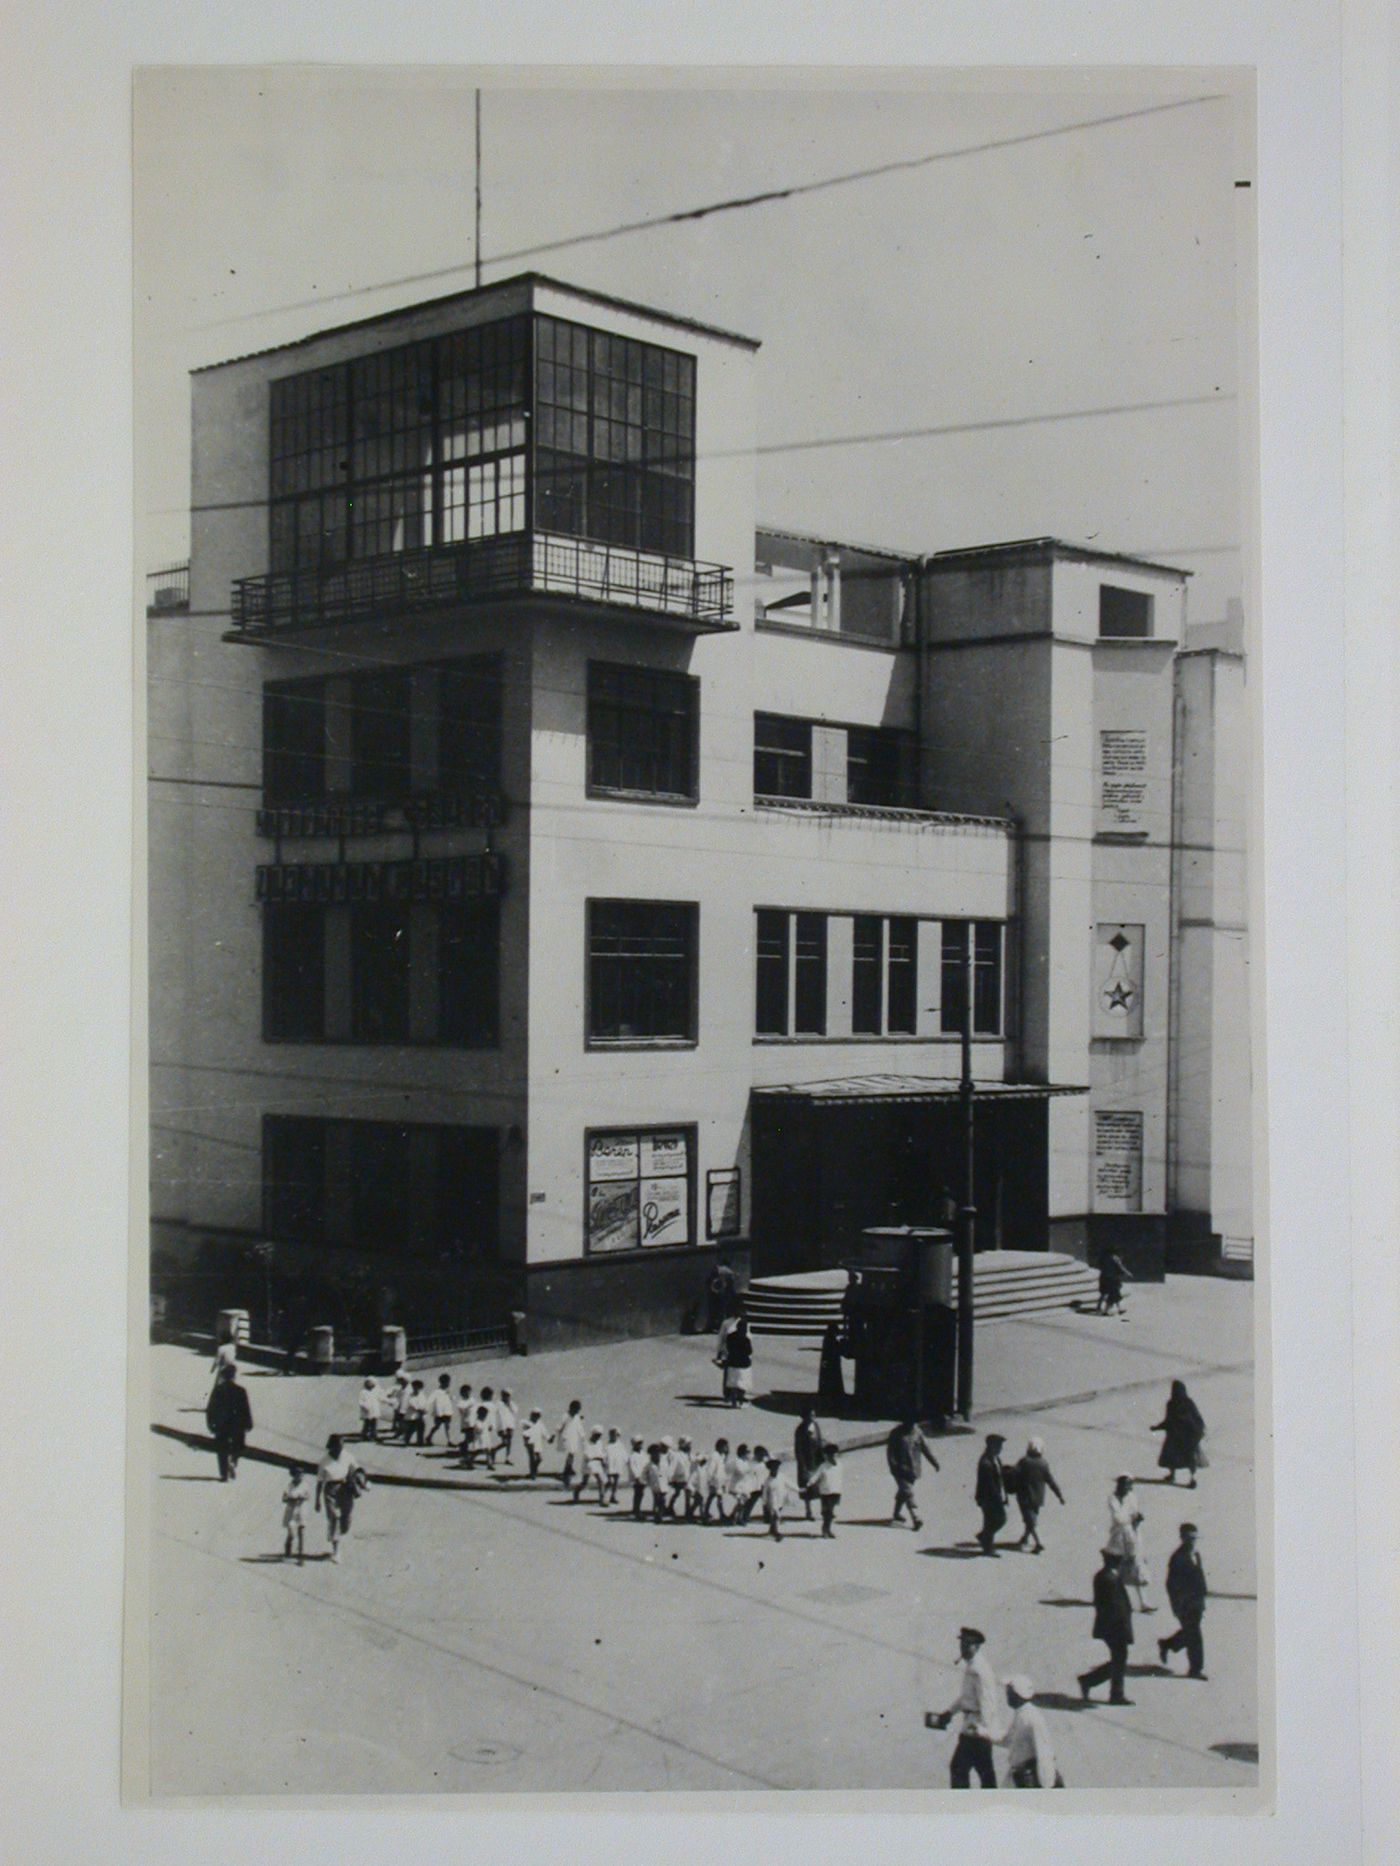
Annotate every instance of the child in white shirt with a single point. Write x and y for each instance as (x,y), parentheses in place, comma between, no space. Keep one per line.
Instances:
(400,1397)
(721,1480)
(658,1458)
(466,1414)
(484,1436)
(826,1487)
(369,1410)
(506,1421)
(417,1414)
(678,1479)
(572,1438)
(440,1410)
(296,1499)
(595,1466)
(749,1484)
(775,1496)
(534,1438)
(614,1463)
(637,1473)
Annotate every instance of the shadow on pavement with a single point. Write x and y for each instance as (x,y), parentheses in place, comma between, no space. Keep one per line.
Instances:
(188,1477)
(958,1551)
(1058,1601)
(1060,1700)
(1236,1752)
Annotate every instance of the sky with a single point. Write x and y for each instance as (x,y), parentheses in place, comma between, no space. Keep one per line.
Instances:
(1082,273)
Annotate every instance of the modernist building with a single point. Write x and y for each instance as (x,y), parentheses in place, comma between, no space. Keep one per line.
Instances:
(557,880)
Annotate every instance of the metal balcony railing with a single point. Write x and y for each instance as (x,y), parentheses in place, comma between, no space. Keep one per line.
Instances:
(541,563)
(168,588)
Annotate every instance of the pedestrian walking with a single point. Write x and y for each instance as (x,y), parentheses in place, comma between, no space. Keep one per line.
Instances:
(1113,1274)
(737,1362)
(1187,1593)
(906,1453)
(415,1414)
(403,1392)
(657,1473)
(595,1467)
(826,1487)
(990,1494)
(721,1296)
(831,1378)
(296,1499)
(370,1400)
(339,1481)
(571,1437)
(1184,1430)
(808,1446)
(229,1416)
(1030,1755)
(485,1441)
(1033,1479)
(978,1708)
(614,1464)
(225,1355)
(637,1474)
(775,1497)
(534,1438)
(466,1413)
(753,1477)
(507,1421)
(1113,1625)
(678,1478)
(440,1410)
(1125,1537)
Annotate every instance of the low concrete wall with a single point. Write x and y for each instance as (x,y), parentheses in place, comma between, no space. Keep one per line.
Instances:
(596,1299)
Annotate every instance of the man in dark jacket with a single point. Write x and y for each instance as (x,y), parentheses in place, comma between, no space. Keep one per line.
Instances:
(1113,1624)
(991,1493)
(1186,1590)
(906,1451)
(230,1420)
(809,1449)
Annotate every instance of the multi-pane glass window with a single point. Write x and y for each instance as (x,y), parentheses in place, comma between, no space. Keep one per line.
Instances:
(901,976)
(879,766)
(382,1186)
(482,416)
(614,439)
(986,955)
(641,970)
(294,972)
(381,733)
(790,973)
(379,972)
(867,973)
(884,976)
(294,741)
(641,730)
(782,756)
(469,724)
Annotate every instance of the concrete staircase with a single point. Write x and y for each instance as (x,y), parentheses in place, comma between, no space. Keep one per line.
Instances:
(1005,1283)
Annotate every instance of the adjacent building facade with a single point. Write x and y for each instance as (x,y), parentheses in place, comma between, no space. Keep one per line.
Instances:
(559,881)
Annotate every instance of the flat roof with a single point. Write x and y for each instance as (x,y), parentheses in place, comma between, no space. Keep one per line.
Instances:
(1050,547)
(835,544)
(531,279)
(883,1088)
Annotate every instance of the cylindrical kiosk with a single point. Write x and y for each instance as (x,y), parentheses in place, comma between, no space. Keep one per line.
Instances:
(322,1348)
(903,1322)
(233,1326)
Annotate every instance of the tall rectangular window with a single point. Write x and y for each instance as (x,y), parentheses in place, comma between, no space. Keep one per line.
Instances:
(901,993)
(381,733)
(379,972)
(469,942)
(986,938)
(381,1190)
(641,730)
(782,756)
(809,975)
(614,439)
(879,767)
(867,975)
(641,971)
(468,1191)
(294,1178)
(294,972)
(469,725)
(294,741)
(771,944)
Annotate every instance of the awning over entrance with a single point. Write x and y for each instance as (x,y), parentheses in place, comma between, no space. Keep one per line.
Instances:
(871,1090)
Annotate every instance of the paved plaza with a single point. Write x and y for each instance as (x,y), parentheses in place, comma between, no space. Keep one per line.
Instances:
(494,1636)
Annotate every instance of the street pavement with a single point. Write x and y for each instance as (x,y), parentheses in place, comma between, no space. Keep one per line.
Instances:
(497,1637)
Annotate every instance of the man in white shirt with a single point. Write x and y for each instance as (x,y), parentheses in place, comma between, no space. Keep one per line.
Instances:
(1030,1755)
(978,1704)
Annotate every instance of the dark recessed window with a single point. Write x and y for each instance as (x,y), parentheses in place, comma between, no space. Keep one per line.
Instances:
(294,1178)
(381,734)
(867,974)
(469,725)
(379,972)
(469,942)
(986,941)
(790,973)
(641,971)
(641,730)
(294,972)
(782,756)
(1124,615)
(809,975)
(880,767)
(772,927)
(294,741)
(902,977)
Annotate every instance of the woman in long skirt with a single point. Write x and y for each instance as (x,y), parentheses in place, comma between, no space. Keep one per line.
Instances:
(738,1364)
(1183,1429)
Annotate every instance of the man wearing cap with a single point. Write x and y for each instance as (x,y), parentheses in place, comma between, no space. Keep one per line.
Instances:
(1113,1624)
(978,1704)
(991,1493)
(1186,1590)
(1030,1755)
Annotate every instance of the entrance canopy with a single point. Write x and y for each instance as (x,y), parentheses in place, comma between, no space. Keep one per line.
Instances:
(878,1089)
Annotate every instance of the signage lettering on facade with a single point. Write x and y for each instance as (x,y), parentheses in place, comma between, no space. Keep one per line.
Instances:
(1118,1160)
(431,811)
(1122,778)
(439,878)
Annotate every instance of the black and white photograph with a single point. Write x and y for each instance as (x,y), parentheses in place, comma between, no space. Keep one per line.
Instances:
(703,1207)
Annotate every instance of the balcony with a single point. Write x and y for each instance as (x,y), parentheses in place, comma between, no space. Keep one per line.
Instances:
(676,590)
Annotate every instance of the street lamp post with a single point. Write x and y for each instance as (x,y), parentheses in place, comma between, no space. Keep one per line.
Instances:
(967,1214)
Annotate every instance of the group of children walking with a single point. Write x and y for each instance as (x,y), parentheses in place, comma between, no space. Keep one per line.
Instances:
(487,1422)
